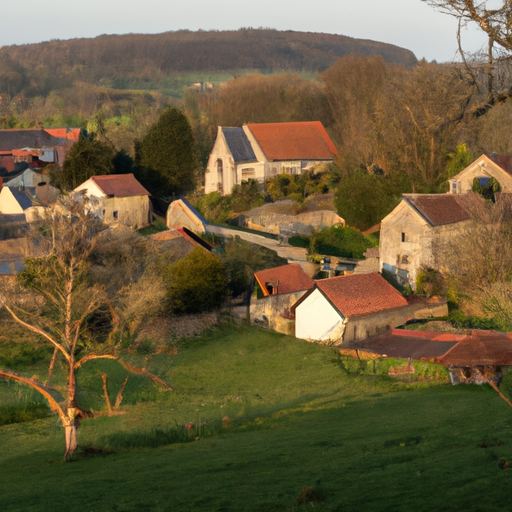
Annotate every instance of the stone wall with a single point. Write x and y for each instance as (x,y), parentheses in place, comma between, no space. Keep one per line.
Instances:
(273,312)
(362,327)
(303,223)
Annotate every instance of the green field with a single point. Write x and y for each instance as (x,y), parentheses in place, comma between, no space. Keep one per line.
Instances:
(303,434)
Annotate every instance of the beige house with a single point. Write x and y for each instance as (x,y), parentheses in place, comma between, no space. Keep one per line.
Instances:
(22,204)
(117,199)
(484,168)
(419,224)
(263,150)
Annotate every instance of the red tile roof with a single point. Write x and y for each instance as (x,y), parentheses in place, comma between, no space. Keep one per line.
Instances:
(441,209)
(361,294)
(408,344)
(294,141)
(287,279)
(120,185)
(480,348)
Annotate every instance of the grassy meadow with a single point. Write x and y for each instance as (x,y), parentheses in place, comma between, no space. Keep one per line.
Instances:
(257,421)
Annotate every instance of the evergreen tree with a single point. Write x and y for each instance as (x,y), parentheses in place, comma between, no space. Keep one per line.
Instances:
(167,156)
(88,157)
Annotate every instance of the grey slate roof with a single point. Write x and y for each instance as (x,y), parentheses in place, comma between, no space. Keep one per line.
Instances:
(22,197)
(239,145)
(19,139)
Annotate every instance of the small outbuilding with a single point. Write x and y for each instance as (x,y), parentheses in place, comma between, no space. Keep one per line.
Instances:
(117,199)
(349,308)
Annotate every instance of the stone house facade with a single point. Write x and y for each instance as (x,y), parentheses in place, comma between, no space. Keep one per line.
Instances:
(117,199)
(411,233)
(483,168)
(263,150)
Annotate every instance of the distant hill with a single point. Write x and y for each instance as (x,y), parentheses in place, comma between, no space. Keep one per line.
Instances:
(143,61)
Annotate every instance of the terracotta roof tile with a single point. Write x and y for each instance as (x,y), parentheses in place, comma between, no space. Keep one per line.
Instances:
(361,294)
(294,141)
(407,344)
(441,209)
(120,185)
(288,279)
(482,348)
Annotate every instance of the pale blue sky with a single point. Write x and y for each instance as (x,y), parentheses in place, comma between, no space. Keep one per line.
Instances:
(411,24)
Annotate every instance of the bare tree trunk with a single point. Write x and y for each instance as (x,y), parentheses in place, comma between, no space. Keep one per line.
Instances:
(119,398)
(52,364)
(70,429)
(105,392)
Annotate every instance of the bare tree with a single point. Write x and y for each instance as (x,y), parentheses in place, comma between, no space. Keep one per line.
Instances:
(62,297)
(476,258)
(489,71)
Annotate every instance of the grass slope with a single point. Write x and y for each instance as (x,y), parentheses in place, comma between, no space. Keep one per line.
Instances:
(304,434)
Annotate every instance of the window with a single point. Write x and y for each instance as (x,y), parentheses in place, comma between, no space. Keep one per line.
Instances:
(454,187)
(248,173)
(219,165)
(115,214)
(404,238)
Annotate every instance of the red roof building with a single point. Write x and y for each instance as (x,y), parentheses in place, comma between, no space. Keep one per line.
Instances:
(286,279)
(117,199)
(261,151)
(293,141)
(349,308)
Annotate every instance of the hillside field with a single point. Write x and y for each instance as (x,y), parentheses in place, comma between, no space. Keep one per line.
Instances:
(257,421)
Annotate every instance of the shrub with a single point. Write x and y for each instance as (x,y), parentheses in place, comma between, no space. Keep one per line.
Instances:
(339,241)
(430,282)
(196,283)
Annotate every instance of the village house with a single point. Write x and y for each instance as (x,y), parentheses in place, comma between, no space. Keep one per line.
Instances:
(180,241)
(411,233)
(34,148)
(25,204)
(263,150)
(483,169)
(277,289)
(349,308)
(117,199)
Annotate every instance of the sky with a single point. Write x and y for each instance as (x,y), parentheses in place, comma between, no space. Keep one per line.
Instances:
(411,24)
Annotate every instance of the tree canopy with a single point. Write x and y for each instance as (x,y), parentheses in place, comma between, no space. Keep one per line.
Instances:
(88,157)
(167,157)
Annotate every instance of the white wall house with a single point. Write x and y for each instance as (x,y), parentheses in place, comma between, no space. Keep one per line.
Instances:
(263,150)
(349,308)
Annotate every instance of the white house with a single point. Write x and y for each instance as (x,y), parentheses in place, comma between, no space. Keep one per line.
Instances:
(117,199)
(263,150)
(349,308)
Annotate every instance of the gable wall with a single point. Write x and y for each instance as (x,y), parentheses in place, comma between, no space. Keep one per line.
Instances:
(215,181)
(91,189)
(273,311)
(404,258)
(8,203)
(483,167)
(317,320)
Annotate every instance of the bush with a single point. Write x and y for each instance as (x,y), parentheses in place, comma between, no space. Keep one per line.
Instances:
(430,282)
(196,283)
(339,241)
(299,241)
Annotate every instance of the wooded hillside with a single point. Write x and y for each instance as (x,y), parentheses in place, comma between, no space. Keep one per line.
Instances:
(143,60)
